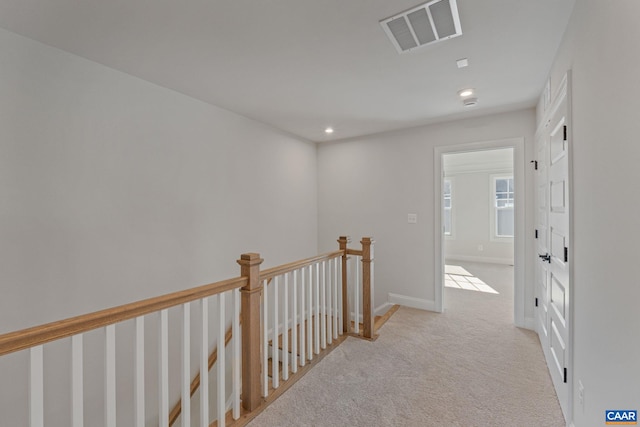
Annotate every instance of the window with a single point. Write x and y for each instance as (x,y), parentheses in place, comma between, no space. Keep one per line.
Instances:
(503,203)
(447,207)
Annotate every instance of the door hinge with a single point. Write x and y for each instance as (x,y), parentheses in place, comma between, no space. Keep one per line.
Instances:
(536,302)
(535,164)
(565,375)
(566,254)
(536,234)
(565,132)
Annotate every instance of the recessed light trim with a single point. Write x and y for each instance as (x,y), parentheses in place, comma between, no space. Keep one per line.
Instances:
(328,130)
(470,102)
(465,92)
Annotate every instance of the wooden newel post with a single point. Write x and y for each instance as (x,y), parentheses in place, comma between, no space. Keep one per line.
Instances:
(367,288)
(344,241)
(250,309)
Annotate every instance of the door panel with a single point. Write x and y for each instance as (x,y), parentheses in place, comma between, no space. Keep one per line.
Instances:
(557,143)
(553,245)
(543,305)
(558,298)
(558,196)
(558,243)
(558,350)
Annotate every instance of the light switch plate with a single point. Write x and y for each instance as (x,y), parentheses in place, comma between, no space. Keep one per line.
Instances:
(412,218)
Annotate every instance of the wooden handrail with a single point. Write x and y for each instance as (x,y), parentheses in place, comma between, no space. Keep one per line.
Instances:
(30,337)
(272,272)
(356,252)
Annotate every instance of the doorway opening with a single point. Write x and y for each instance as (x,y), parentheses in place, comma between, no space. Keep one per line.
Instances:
(480,219)
(478,203)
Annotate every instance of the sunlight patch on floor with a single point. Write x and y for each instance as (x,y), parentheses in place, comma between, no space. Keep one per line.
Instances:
(456,269)
(459,278)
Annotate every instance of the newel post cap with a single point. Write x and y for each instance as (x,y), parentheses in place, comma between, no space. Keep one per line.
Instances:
(344,239)
(250,259)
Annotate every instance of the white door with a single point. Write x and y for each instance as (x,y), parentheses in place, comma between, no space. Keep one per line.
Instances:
(553,227)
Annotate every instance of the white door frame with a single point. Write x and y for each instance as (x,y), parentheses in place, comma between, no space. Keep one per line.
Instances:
(519,212)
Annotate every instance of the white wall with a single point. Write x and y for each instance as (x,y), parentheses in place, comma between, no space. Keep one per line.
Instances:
(472,235)
(600,47)
(368,185)
(113,189)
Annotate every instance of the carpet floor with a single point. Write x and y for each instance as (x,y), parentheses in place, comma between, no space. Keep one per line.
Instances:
(468,366)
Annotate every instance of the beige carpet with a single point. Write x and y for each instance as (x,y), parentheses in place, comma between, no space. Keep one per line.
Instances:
(466,367)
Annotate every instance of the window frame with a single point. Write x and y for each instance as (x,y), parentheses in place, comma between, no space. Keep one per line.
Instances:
(495,208)
(451,209)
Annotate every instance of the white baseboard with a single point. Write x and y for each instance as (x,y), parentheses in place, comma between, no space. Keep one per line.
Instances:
(489,260)
(382,309)
(423,304)
(529,323)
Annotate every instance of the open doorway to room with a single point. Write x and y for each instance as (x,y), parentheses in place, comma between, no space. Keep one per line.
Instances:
(479,223)
(478,203)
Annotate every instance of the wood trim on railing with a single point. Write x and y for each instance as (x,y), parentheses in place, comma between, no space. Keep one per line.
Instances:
(26,338)
(367,288)
(343,241)
(270,273)
(356,252)
(250,317)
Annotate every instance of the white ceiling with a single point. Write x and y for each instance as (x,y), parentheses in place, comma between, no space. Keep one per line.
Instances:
(302,65)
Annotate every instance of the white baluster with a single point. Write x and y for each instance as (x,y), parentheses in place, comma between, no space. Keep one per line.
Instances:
(235,333)
(139,373)
(265,340)
(303,319)
(77,386)
(310,319)
(336,290)
(329,281)
(294,326)
(275,375)
(110,377)
(163,375)
(356,297)
(186,366)
(317,310)
(221,362)
(341,300)
(323,304)
(285,330)
(36,386)
(204,364)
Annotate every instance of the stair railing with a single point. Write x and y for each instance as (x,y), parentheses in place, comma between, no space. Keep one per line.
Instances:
(300,318)
(34,340)
(314,314)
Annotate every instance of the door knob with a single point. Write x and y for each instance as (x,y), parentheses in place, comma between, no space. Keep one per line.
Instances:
(546,257)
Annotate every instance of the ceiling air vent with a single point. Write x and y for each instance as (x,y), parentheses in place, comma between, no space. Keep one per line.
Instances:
(423,25)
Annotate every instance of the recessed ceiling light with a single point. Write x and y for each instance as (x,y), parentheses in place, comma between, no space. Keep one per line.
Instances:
(465,92)
(328,130)
(464,62)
